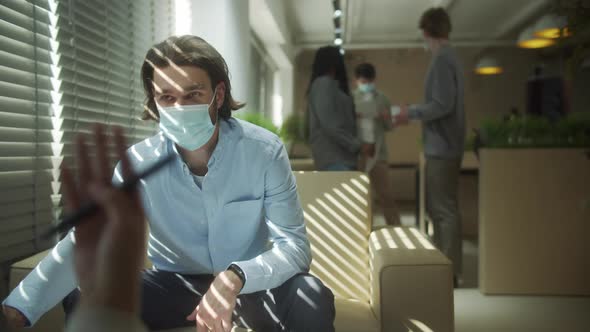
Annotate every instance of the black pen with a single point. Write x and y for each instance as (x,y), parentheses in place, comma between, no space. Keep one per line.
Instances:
(91,207)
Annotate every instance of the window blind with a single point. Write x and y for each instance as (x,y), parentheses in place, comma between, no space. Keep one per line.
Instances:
(102,46)
(64,64)
(26,151)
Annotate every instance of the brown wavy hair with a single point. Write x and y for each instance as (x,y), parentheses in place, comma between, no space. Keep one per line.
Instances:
(436,22)
(187,50)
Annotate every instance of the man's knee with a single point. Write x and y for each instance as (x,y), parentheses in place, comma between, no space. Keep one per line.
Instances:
(311,297)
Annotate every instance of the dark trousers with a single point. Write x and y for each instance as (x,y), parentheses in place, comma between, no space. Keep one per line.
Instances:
(302,303)
(442,204)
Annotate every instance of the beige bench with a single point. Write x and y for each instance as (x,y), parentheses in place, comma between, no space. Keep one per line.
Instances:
(391,279)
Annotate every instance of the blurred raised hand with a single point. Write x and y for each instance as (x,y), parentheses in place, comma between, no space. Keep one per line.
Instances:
(110,245)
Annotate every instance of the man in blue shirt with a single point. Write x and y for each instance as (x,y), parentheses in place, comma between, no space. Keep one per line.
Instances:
(227,237)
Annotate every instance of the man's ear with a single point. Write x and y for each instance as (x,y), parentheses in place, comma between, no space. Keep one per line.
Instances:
(220,95)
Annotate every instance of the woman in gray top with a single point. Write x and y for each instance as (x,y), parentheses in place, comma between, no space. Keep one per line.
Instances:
(331,116)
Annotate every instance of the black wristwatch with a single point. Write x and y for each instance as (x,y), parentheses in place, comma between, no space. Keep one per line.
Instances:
(238,271)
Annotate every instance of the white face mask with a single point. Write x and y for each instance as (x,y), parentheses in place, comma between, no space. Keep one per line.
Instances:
(367,87)
(187,125)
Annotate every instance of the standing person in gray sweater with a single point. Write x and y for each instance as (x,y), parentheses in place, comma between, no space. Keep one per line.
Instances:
(443,118)
(331,115)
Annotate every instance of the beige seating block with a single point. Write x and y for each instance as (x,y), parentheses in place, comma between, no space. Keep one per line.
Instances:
(412,282)
(355,316)
(337,212)
(408,283)
(302,164)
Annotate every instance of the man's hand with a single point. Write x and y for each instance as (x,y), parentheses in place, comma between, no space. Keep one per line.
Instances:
(368,150)
(214,313)
(110,246)
(403,117)
(16,320)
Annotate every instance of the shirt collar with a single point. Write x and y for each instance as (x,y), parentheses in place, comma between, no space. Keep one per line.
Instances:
(225,136)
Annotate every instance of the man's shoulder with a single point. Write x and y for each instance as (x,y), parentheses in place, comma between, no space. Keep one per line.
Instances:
(255,136)
(447,55)
(147,149)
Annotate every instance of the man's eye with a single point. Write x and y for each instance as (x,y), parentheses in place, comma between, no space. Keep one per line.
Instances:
(165,98)
(192,95)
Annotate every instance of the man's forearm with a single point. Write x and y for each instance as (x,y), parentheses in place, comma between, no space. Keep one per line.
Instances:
(272,269)
(51,280)
(428,112)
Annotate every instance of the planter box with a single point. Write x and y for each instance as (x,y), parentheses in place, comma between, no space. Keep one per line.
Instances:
(534,221)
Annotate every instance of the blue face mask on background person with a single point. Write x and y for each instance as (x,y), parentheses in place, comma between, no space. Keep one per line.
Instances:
(187,125)
(367,87)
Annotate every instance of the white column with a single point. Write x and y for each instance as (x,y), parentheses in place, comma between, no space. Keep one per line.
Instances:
(288,76)
(225,25)
(269,22)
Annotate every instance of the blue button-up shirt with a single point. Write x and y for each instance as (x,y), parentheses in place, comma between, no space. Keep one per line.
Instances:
(245,211)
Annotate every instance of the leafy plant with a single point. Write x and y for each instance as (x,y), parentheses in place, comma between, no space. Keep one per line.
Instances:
(293,129)
(260,120)
(536,132)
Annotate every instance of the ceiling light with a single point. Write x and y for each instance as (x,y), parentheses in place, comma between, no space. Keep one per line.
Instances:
(527,39)
(337,13)
(338,41)
(552,26)
(488,66)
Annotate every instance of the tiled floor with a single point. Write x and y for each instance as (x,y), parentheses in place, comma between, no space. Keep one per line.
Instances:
(475,312)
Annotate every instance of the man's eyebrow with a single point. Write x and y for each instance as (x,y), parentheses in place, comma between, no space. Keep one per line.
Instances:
(198,86)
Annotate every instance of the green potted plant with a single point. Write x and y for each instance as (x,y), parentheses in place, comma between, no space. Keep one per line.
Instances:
(572,131)
(293,133)
(258,119)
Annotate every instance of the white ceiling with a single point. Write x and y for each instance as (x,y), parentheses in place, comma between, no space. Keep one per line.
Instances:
(394,23)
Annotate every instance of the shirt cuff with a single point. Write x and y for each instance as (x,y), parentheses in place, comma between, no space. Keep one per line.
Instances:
(253,274)
(29,321)
(29,317)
